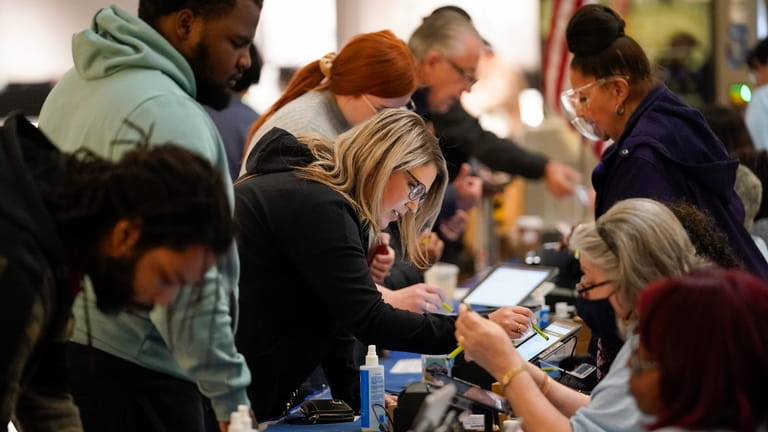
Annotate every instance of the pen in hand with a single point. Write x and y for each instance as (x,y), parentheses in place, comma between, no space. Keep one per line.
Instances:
(538,330)
(456,352)
(459,348)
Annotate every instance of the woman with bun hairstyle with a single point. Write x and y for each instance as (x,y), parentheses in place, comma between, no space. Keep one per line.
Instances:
(663,149)
(373,71)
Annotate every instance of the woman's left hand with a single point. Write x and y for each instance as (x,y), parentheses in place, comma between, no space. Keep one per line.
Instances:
(515,320)
(381,263)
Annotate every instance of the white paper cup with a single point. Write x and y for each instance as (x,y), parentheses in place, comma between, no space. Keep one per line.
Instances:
(445,276)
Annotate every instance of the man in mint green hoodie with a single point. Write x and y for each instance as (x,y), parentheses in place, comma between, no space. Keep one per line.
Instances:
(138,80)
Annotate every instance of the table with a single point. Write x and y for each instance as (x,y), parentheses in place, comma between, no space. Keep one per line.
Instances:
(394,383)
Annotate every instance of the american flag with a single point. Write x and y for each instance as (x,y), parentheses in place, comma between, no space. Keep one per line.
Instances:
(557,58)
(556,55)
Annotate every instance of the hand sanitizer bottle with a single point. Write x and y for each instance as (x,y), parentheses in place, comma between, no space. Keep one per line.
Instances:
(372,410)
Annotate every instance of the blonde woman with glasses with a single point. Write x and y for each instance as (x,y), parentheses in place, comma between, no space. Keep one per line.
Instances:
(636,242)
(307,211)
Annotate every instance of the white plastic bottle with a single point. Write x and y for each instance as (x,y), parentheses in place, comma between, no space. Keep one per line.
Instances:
(245,417)
(235,423)
(240,420)
(372,410)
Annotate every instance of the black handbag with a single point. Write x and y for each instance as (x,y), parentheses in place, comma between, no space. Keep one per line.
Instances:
(318,411)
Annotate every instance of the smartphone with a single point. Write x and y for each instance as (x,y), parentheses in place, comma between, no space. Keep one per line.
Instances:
(582,371)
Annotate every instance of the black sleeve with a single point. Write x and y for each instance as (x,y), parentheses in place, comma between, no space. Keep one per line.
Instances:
(317,239)
(335,266)
(33,358)
(461,133)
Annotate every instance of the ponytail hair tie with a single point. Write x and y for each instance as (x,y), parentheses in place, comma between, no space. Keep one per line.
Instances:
(326,63)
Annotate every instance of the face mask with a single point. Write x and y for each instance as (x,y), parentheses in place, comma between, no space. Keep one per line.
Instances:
(599,316)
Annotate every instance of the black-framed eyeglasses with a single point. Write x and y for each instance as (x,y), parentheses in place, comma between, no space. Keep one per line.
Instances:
(581,289)
(471,80)
(370,105)
(410,105)
(418,191)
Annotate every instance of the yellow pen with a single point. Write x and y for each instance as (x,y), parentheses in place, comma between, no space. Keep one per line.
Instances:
(459,348)
(447,307)
(538,330)
(456,352)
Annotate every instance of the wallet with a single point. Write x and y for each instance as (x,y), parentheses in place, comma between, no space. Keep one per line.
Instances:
(318,411)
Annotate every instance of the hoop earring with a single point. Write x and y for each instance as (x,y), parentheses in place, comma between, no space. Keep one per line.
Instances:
(620,109)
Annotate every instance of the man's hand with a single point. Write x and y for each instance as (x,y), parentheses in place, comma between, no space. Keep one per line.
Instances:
(453,227)
(560,179)
(431,244)
(469,189)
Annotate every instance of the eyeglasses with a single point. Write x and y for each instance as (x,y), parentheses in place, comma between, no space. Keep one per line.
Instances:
(468,77)
(575,100)
(636,364)
(418,191)
(373,108)
(410,105)
(582,289)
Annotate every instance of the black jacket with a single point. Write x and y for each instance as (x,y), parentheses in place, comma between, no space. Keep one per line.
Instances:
(461,137)
(35,290)
(304,277)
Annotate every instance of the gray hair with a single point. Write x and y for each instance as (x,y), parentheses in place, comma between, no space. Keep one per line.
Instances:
(750,190)
(445,32)
(637,241)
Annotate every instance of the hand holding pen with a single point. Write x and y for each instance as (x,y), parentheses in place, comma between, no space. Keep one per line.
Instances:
(515,321)
(485,342)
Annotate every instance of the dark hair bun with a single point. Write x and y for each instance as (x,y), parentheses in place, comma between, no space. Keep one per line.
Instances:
(592,29)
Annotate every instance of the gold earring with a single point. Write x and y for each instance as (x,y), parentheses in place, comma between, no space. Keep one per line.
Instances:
(620,109)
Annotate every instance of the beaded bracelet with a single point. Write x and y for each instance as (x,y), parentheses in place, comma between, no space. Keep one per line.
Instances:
(507,378)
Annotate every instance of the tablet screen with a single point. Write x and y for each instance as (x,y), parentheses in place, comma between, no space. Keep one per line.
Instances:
(508,285)
(557,331)
(472,392)
(535,345)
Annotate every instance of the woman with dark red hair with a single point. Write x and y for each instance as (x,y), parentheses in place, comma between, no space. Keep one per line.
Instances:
(703,351)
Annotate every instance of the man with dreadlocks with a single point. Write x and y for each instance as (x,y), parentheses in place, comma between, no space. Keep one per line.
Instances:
(139,228)
(143,78)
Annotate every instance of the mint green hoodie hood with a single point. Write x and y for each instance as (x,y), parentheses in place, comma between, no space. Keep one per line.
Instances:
(118,40)
(130,85)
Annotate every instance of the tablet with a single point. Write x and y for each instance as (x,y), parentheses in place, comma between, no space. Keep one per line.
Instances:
(508,285)
(471,393)
(558,331)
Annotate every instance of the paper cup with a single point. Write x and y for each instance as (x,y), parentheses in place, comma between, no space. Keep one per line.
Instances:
(445,276)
